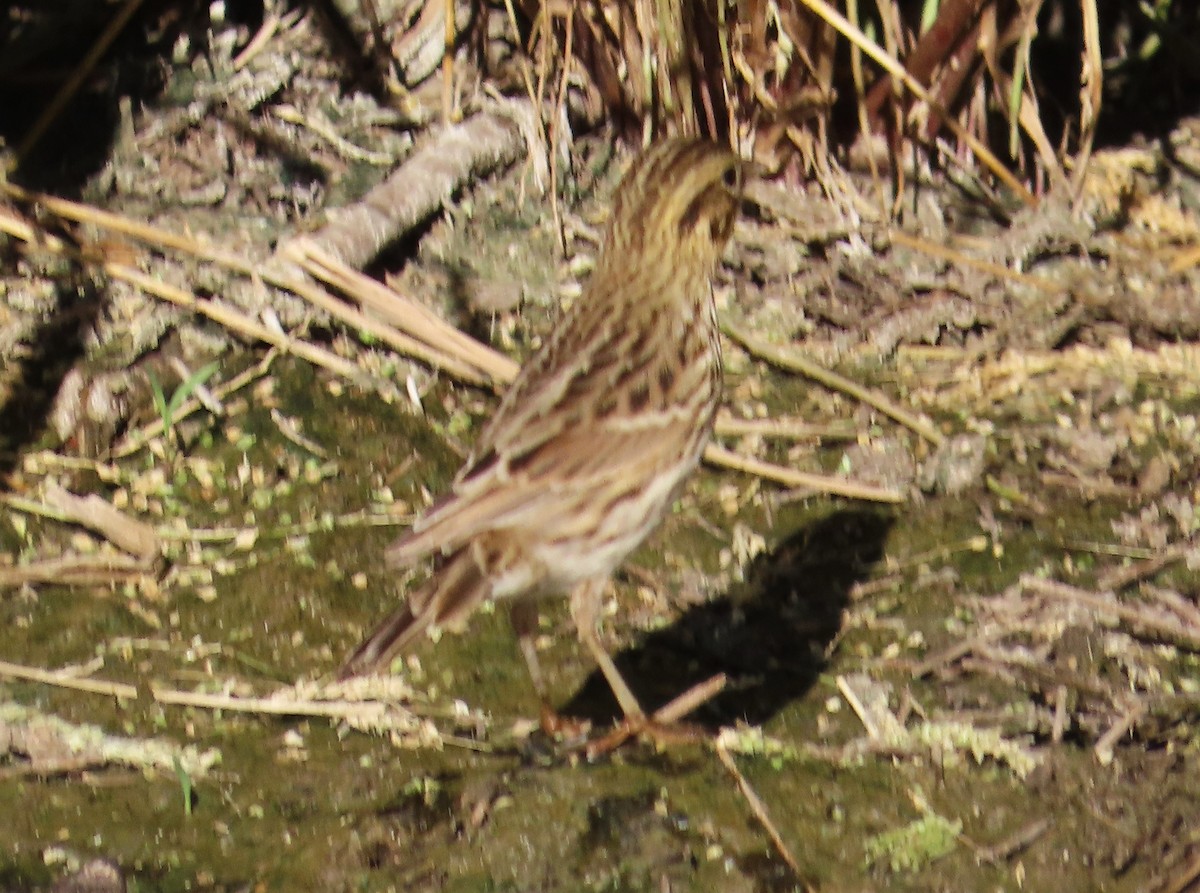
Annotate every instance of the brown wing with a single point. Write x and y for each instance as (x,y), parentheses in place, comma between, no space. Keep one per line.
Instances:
(584,413)
(550,487)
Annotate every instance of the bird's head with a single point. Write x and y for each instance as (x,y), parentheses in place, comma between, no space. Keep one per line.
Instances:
(680,196)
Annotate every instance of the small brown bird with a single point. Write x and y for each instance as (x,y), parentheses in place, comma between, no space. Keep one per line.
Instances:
(595,438)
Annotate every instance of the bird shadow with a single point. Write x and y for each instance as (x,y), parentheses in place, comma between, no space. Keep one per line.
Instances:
(769,634)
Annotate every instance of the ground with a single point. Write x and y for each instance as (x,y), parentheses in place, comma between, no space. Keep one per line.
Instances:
(989,684)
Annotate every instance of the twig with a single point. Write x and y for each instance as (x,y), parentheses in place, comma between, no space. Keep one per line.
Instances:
(1103,748)
(1059,726)
(419,188)
(947,656)
(38,462)
(1014,844)
(792,361)
(270,25)
(758,808)
(146,233)
(63,679)
(54,768)
(128,534)
(860,710)
(32,507)
(290,430)
(1118,578)
(1089,485)
(217,310)
(1169,629)
(1183,608)
(688,702)
(667,715)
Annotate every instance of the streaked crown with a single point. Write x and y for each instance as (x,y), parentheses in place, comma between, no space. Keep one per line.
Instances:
(681,192)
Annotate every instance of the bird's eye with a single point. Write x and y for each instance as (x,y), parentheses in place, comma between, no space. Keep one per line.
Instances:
(732,178)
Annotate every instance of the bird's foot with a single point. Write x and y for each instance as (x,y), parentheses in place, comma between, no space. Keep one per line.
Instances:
(665,728)
(571,731)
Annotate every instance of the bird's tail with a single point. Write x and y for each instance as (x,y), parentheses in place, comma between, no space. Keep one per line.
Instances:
(455,588)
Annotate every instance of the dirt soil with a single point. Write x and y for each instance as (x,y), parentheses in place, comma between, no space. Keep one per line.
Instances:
(990,684)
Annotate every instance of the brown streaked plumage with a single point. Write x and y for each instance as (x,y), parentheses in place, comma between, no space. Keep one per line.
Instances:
(596,436)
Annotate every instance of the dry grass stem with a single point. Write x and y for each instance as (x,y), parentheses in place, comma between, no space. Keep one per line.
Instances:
(349,520)
(64,679)
(897,70)
(148,234)
(820,483)
(1091,90)
(77,570)
(989,381)
(362,322)
(781,429)
(278,706)
(423,334)
(237,321)
(793,361)
(215,309)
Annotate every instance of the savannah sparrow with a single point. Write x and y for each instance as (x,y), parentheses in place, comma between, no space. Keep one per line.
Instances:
(593,441)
